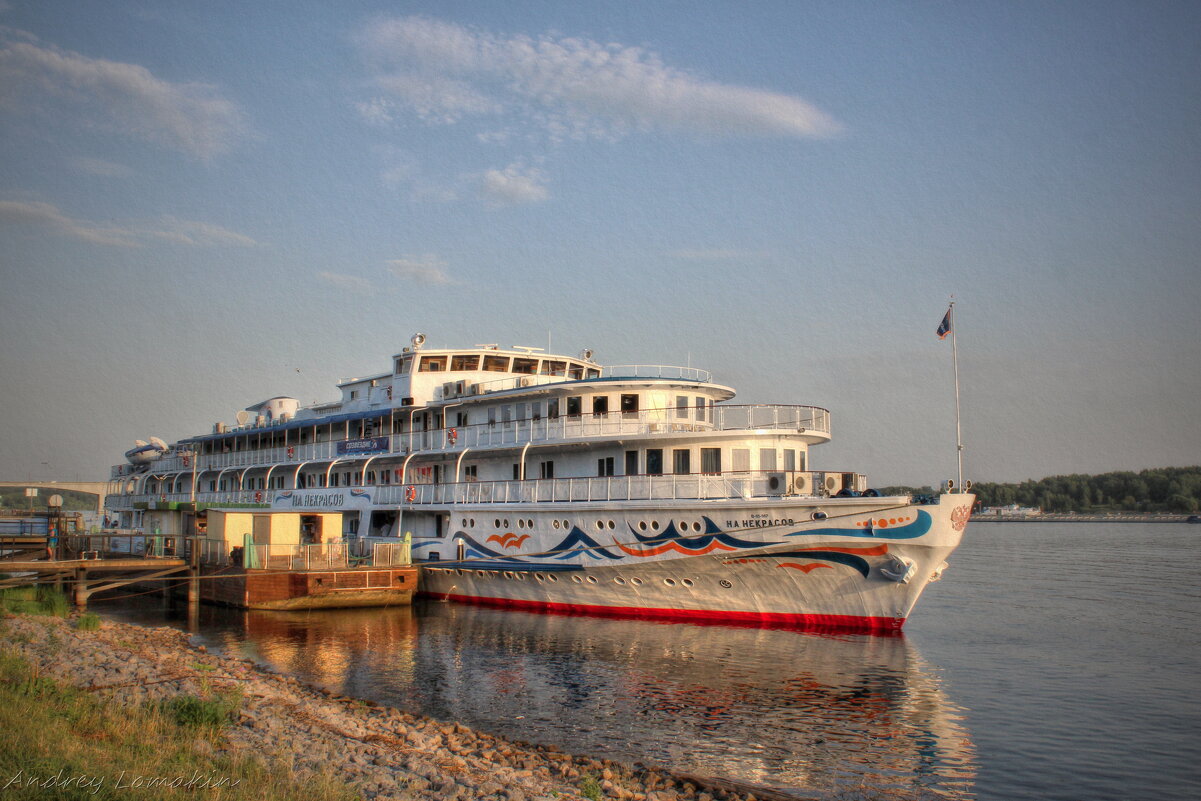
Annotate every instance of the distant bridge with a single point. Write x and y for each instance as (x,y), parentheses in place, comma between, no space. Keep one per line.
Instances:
(97,488)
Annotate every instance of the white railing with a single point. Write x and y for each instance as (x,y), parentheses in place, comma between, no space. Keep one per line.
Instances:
(515,433)
(657,371)
(691,486)
(323,556)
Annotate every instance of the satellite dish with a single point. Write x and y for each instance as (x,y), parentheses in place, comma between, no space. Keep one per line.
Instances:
(242,417)
(418,340)
(586,354)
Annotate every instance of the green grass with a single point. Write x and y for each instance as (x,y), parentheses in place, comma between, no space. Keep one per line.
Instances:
(39,600)
(87,622)
(590,788)
(58,742)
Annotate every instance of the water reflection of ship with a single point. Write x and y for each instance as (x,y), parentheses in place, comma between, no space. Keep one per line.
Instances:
(787,710)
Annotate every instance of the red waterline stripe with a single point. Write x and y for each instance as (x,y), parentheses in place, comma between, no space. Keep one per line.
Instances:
(773,620)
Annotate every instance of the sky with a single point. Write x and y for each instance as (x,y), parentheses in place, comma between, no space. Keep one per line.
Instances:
(203,205)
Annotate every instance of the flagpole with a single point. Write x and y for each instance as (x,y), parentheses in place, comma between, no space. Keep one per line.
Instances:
(955,361)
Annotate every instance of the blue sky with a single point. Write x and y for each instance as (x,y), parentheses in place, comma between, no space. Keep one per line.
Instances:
(203,205)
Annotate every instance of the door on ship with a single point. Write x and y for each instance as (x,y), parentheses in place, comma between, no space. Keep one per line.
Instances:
(310,529)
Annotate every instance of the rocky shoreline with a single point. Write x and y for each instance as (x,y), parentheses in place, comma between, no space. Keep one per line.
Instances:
(384,754)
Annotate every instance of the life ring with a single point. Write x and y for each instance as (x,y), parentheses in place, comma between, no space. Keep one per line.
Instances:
(452,434)
(411,494)
(258,497)
(291,452)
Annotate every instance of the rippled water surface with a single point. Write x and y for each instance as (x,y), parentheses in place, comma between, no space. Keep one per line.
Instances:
(1054,661)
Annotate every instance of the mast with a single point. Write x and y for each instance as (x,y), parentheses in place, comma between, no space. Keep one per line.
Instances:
(955,362)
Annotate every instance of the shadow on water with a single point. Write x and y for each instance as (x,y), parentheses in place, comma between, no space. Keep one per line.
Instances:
(800,712)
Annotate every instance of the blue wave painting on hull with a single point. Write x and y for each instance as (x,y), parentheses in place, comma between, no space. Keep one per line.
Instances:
(917,528)
(712,533)
(577,542)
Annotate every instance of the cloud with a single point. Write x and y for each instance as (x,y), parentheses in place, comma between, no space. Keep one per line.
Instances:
(190,117)
(571,87)
(352,282)
(514,184)
(169,229)
(420,269)
(105,169)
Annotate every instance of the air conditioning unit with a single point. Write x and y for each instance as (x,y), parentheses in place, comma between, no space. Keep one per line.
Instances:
(777,483)
(473,389)
(524,382)
(448,389)
(801,484)
(833,483)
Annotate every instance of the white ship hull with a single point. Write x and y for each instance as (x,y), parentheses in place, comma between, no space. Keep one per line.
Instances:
(854,570)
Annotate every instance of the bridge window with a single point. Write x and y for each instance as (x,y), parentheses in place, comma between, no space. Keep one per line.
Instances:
(551,367)
(681,406)
(496,364)
(521,365)
(465,362)
(433,364)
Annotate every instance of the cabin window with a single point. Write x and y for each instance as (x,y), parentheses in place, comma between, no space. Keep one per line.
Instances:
(516,472)
(491,416)
(593,373)
(741,458)
(681,407)
(404,364)
(600,404)
(536,411)
(527,366)
(385,477)
(334,479)
(631,463)
(496,364)
(520,413)
(552,409)
(604,466)
(506,414)
(575,371)
(767,459)
(551,367)
(354,393)
(471,472)
(711,460)
(629,405)
(433,364)
(465,362)
(546,469)
(681,461)
(654,461)
(461,419)
(789,459)
(574,405)
(800,464)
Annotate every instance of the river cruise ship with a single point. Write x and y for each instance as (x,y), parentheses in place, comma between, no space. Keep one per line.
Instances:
(550,482)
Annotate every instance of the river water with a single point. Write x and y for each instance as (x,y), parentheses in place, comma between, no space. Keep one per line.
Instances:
(1053,661)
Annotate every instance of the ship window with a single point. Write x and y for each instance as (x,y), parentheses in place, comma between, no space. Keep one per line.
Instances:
(573,406)
(354,393)
(767,459)
(506,413)
(681,406)
(593,372)
(800,460)
(471,472)
(551,367)
(496,364)
(629,405)
(521,365)
(789,459)
(492,415)
(516,472)
(681,461)
(600,404)
(575,371)
(465,362)
(631,463)
(741,458)
(433,364)
(654,461)
(552,409)
(604,466)
(711,460)
(546,469)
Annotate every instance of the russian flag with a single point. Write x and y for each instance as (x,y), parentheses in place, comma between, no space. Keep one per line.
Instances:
(944,327)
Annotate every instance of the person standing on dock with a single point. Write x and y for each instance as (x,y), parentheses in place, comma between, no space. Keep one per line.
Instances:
(51,541)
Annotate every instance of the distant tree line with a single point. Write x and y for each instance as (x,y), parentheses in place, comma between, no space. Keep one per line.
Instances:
(73,501)
(1163,489)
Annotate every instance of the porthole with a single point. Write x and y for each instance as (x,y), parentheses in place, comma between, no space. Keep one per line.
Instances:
(819,515)
(655,525)
(481,573)
(600,525)
(529,524)
(552,577)
(642,525)
(521,524)
(637,582)
(611,525)
(538,576)
(555,523)
(727,585)
(592,579)
(683,526)
(576,579)
(496,522)
(508,574)
(464,523)
(686,582)
(506,524)
(566,524)
(619,580)
(520,576)
(669,582)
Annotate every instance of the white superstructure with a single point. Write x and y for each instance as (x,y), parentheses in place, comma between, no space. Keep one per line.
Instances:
(548,481)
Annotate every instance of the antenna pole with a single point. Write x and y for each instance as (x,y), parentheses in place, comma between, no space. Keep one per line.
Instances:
(955,361)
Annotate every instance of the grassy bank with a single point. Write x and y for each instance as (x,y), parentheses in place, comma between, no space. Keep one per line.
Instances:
(62,742)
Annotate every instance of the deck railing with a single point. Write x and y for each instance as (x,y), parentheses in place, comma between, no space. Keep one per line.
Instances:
(681,420)
(337,555)
(692,486)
